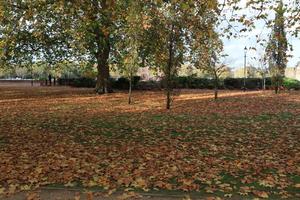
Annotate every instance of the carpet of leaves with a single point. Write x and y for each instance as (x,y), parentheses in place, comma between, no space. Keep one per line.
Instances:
(243,144)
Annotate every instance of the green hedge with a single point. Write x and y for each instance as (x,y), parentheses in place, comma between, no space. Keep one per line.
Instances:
(195,83)
(228,83)
(182,83)
(251,83)
(120,83)
(123,83)
(84,82)
(291,84)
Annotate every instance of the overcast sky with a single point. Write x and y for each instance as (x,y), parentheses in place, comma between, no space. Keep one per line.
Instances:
(235,47)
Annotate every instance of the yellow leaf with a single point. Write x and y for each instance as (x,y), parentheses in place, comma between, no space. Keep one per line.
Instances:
(77,196)
(261,194)
(2,191)
(25,187)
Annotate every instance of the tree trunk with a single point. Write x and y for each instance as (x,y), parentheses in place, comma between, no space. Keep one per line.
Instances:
(50,79)
(103,84)
(168,84)
(31,74)
(130,89)
(216,89)
(216,85)
(264,83)
(169,69)
(277,87)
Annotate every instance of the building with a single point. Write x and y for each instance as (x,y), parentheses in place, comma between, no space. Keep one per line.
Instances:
(290,72)
(293,72)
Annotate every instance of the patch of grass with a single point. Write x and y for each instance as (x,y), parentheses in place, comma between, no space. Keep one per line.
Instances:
(158,117)
(286,116)
(3,141)
(264,117)
(175,134)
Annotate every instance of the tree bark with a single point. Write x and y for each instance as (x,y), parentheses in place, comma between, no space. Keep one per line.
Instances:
(169,69)
(277,87)
(50,79)
(130,89)
(31,74)
(264,83)
(102,39)
(216,87)
(277,80)
(103,84)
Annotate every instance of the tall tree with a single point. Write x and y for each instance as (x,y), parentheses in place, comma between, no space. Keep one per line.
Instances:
(131,40)
(277,48)
(93,29)
(207,49)
(171,23)
(32,31)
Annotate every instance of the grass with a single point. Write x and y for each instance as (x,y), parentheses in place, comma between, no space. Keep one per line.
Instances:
(74,135)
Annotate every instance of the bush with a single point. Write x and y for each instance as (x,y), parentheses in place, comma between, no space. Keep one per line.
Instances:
(149,85)
(182,82)
(66,81)
(291,84)
(251,83)
(84,82)
(78,82)
(192,82)
(122,83)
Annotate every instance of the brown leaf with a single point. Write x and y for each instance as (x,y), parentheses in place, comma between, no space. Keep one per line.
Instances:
(261,194)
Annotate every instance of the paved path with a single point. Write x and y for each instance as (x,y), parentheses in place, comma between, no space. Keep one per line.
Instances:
(60,194)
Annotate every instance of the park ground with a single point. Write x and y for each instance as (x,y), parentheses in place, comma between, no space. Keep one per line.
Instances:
(242,146)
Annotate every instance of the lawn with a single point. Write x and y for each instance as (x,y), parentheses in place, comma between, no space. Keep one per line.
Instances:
(244,145)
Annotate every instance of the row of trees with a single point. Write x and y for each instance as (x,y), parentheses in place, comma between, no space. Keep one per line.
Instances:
(124,34)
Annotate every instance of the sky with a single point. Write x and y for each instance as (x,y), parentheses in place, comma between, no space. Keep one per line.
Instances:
(234,47)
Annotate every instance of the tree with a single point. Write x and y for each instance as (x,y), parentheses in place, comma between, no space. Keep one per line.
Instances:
(215,68)
(171,24)
(207,49)
(277,48)
(248,13)
(130,43)
(92,27)
(261,62)
(33,31)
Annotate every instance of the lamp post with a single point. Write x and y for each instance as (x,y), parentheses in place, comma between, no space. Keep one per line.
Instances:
(245,68)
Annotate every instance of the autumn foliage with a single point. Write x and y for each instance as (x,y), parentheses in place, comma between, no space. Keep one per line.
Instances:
(242,144)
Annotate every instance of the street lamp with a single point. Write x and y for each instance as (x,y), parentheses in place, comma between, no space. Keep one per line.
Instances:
(245,68)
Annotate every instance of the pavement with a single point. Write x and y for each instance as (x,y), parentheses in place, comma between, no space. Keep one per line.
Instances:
(66,194)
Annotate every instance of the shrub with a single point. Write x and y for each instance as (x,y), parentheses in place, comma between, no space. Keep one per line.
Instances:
(192,82)
(149,85)
(251,83)
(188,82)
(122,83)
(233,83)
(84,82)
(291,84)
(66,81)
